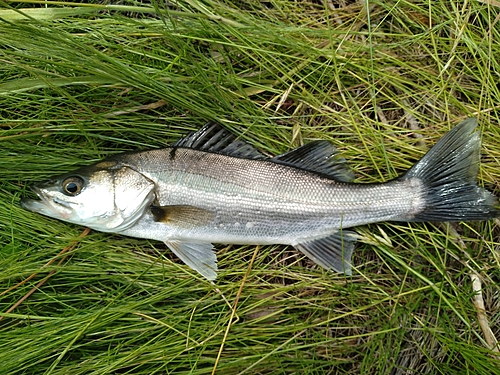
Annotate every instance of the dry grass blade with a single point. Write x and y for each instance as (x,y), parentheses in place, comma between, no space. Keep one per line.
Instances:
(478,301)
(489,336)
(233,309)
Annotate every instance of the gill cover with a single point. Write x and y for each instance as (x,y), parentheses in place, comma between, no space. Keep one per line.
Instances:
(133,194)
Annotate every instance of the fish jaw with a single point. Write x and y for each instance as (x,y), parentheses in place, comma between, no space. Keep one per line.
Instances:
(48,207)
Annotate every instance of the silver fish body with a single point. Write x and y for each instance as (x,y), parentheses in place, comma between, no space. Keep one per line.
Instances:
(261,202)
(211,188)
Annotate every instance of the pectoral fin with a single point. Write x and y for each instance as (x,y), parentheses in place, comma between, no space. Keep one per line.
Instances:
(199,256)
(184,216)
(331,252)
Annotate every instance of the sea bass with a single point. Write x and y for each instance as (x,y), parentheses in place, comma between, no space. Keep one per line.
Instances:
(210,187)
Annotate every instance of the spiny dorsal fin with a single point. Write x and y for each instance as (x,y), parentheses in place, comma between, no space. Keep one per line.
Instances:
(184,216)
(331,252)
(319,156)
(212,137)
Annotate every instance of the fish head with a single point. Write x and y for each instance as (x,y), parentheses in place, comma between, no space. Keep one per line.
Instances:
(108,199)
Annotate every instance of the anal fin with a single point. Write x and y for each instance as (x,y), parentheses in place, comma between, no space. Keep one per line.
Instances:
(331,252)
(200,257)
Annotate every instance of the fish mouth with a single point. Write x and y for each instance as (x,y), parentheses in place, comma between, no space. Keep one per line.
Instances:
(35,205)
(45,206)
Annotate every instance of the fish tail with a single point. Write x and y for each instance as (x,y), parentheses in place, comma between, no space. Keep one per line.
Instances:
(448,176)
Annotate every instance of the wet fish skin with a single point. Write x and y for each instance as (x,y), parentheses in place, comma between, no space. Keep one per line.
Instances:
(258,201)
(211,188)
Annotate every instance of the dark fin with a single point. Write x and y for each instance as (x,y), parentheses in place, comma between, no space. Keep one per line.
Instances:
(212,137)
(199,256)
(448,173)
(181,215)
(319,156)
(332,252)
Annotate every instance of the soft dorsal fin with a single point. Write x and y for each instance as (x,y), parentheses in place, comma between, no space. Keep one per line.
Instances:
(319,156)
(212,137)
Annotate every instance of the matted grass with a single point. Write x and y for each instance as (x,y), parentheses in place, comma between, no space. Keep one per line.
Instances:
(382,80)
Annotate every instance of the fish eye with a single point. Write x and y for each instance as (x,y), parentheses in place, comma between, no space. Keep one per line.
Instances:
(72,186)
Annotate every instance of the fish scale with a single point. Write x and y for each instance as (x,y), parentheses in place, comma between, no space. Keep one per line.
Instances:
(265,194)
(210,187)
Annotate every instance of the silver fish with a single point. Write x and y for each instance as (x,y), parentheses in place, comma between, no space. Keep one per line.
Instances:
(210,187)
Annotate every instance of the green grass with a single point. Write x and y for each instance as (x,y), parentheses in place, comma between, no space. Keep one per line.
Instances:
(382,80)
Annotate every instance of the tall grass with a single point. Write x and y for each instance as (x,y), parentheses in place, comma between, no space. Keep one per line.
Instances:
(382,80)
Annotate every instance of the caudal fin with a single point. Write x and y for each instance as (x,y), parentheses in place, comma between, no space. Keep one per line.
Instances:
(448,173)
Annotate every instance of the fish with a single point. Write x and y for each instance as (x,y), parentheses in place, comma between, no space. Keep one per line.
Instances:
(211,187)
